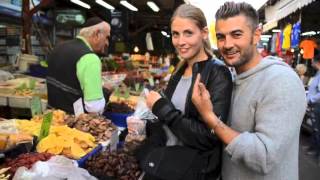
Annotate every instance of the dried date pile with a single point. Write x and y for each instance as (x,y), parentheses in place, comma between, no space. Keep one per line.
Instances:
(116,164)
(132,141)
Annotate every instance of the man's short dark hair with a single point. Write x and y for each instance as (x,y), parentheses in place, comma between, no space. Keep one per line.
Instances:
(232,9)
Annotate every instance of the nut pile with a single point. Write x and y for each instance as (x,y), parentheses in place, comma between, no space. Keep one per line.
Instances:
(101,128)
(26,160)
(132,141)
(116,164)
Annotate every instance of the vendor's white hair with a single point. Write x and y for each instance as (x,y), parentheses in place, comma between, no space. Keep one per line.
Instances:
(89,31)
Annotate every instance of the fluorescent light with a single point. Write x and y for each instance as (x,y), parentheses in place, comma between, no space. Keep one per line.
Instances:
(136,49)
(153,6)
(264,39)
(266,36)
(128,5)
(276,30)
(104,4)
(309,33)
(164,33)
(80,3)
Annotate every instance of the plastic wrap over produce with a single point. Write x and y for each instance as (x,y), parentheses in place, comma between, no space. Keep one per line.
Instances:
(57,168)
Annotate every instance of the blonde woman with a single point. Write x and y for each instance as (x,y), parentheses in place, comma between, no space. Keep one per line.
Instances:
(180,145)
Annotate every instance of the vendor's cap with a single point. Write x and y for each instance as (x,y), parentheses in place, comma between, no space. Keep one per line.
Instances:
(92,21)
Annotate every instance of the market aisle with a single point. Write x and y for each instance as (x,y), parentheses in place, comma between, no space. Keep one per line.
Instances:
(309,170)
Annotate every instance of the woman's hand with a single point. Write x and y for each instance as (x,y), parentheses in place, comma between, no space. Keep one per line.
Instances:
(151,98)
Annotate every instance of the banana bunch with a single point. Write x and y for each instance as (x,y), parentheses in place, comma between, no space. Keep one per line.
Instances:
(3,175)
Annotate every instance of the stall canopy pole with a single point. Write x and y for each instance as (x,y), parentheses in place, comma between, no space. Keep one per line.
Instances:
(26,18)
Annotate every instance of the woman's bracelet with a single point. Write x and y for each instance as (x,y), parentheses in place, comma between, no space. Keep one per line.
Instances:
(216,125)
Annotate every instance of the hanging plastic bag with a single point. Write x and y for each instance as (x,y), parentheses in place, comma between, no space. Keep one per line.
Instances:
(57,168)
(4,76)
(137,122)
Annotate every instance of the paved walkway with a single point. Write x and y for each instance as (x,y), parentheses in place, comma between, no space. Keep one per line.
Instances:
(309,170)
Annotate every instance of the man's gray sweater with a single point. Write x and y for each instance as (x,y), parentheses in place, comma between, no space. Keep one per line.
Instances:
(267,108)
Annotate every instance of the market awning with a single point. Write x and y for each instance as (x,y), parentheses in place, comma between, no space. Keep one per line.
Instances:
(283,8)
(269,25)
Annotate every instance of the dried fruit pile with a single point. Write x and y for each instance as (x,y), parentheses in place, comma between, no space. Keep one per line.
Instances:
(120,107)
(132,141)
(101,128)
(26,160)
(116,164)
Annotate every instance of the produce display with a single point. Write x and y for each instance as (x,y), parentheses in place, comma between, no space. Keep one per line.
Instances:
(120,107)
(10,136)
(26,160)
(117,164)
(59,117)
(66,141)
(3,174)
(61,140)
(9,141)
(84,138)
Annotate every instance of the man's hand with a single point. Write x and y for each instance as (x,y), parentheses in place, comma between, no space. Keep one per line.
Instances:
(151,98)
(107,86)
(201,98)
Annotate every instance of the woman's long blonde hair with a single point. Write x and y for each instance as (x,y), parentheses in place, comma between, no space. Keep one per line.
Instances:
(195,14)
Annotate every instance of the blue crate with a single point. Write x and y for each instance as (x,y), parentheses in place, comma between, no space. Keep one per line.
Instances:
(81,162)
(119,119)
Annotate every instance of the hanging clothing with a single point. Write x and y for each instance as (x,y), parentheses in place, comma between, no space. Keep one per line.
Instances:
(278,43)
(295,35)
(308,47)
(273,43)
(287,37)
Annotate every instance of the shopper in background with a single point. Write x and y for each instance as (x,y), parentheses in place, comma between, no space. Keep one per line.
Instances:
(74,69)
(267,107)
(180,145)
(301,70)
(313,99)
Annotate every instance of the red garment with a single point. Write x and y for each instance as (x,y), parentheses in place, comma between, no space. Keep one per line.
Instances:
(278,44)
(308,47)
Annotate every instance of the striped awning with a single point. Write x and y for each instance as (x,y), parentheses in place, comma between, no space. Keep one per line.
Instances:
(283,8)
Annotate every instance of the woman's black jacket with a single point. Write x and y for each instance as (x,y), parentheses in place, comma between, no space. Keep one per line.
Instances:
(189,127)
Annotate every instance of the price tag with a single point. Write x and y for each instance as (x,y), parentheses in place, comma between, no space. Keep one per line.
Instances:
(151,82)
(137,87)
(45,126)
(36,107)
(78,107)
(32,83)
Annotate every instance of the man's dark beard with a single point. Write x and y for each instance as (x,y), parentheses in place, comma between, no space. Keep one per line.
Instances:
(245,57)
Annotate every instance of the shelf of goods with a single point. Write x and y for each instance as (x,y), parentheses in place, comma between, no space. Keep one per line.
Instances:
(16,93)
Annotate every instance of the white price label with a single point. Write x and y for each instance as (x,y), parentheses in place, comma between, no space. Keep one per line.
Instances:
(78,107)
